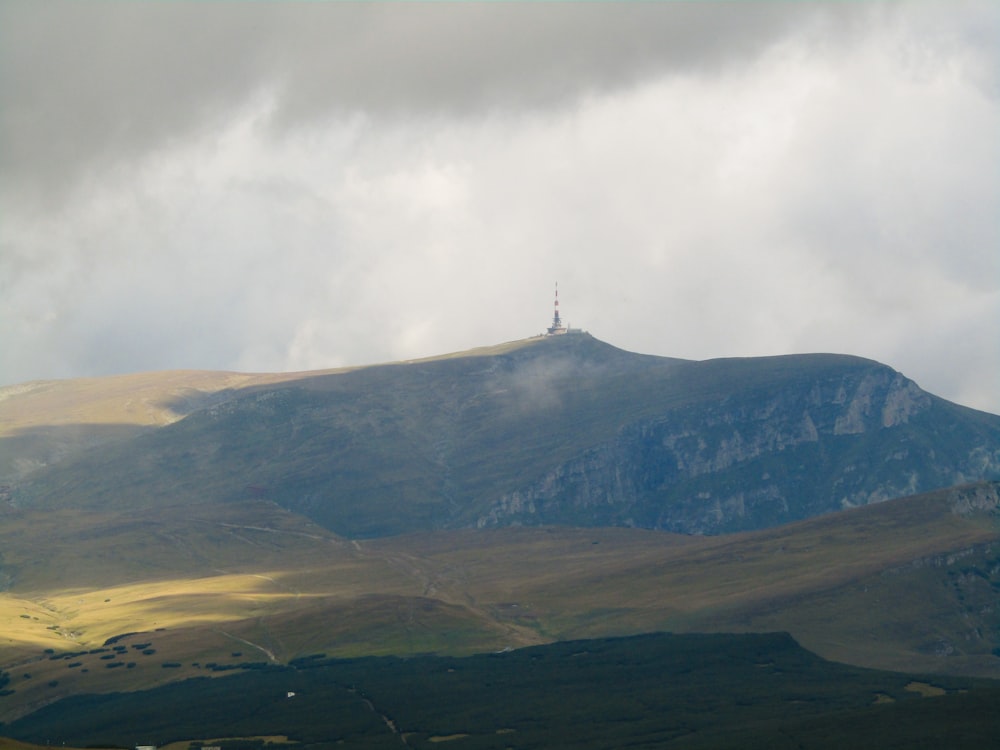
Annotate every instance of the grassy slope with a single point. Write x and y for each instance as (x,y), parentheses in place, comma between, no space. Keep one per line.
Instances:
(824,580)
(48,423)
(43,422)
(151,398)
(268,586)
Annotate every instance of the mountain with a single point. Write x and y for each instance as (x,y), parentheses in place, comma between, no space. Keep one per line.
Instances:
(163,526)
(552,430)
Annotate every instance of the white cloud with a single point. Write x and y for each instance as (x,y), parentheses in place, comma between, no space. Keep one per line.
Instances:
(835,190)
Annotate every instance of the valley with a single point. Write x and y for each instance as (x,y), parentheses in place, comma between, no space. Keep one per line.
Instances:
(908,585)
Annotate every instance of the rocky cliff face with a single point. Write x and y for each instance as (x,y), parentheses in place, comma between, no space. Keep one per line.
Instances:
(975,499)
(755,458)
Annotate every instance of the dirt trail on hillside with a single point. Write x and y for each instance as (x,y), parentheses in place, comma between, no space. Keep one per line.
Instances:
(450,587)
(267,652)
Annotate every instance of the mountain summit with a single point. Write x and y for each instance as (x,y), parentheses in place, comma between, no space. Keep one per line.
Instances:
(550,430)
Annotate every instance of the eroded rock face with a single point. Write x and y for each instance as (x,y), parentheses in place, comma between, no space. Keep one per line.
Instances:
(754,459)
(879,398)
(967,501)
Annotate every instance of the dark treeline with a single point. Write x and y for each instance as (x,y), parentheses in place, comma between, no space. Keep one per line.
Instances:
(651,691)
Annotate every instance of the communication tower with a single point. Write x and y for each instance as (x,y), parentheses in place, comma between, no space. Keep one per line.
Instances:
(557,326)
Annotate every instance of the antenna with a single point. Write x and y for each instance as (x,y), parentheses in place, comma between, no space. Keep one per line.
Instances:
(557,326)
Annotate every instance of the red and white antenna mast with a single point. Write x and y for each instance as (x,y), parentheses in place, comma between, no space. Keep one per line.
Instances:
(557,326)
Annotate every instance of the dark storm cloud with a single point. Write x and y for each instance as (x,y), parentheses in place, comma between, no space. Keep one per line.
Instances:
(95,81)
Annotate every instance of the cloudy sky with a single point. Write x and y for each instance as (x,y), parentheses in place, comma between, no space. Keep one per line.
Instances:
(268,186)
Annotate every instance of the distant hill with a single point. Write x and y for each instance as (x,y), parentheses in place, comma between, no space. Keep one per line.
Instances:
(555,430)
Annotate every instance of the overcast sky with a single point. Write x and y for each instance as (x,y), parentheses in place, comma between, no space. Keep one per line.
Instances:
(268,186)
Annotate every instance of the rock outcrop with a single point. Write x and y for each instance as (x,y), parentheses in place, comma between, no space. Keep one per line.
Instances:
(755,459)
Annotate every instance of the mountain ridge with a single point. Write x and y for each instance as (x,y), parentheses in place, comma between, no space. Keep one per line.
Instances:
(565,429)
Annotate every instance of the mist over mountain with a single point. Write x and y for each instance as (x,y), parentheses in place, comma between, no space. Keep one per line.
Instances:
(553,430)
